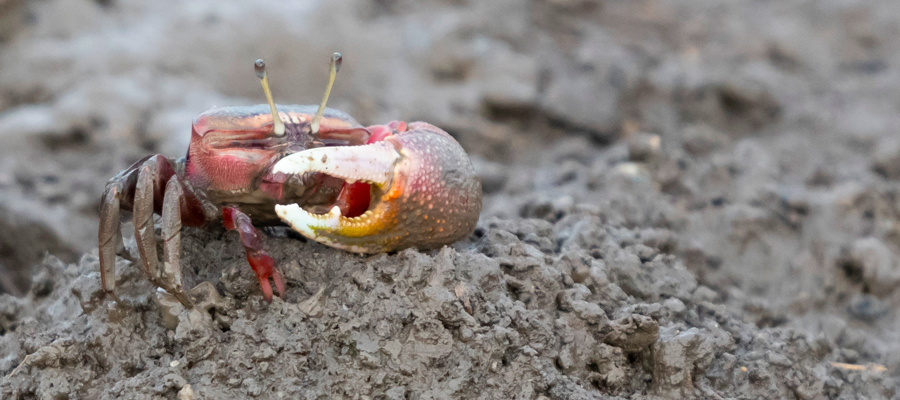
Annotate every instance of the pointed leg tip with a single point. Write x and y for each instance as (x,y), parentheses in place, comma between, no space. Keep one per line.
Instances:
(266,289)
(184,299)
(279,282)
(260,261)
(114,296)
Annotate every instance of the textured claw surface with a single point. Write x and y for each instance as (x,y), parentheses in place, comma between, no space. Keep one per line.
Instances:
(427,193)
(372,163)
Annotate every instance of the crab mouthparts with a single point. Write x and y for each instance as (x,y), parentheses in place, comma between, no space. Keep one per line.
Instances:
(361,167)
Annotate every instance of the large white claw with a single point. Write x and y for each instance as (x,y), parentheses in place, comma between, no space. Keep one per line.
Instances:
(306,222)
(310,225)
(373,163)
(424,192)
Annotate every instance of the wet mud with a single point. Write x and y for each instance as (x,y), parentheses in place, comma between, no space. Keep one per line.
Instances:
(682,200)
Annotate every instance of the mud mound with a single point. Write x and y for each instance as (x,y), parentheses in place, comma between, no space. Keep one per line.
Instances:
(567,310)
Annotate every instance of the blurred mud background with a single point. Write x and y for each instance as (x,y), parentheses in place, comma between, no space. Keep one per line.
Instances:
(690,199)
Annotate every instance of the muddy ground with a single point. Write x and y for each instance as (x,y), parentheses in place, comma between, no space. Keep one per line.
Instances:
(690,199)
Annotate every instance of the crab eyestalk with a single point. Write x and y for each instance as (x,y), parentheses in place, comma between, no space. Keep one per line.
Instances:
(277,124)
(334,66)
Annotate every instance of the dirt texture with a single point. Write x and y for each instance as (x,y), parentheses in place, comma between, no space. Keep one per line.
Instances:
(683,200)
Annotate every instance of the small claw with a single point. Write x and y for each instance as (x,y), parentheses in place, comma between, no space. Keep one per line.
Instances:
(424,194)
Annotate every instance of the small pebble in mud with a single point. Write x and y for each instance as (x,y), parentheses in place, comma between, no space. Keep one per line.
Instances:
(870,261)
(186,393)
(252,387)
(174,381)
(633,333)
(643,146)
(674,305)
(465,334)
(700,140)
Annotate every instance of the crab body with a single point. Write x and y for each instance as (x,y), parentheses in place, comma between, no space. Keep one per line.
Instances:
(362,189)
(232,153)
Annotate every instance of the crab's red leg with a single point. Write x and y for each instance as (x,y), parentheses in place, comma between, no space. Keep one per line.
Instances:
(261,262)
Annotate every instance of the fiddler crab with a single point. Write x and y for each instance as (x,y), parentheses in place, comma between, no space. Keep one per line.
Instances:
(379,188)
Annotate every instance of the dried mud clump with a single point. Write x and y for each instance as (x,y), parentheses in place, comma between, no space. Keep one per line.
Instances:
(525,309)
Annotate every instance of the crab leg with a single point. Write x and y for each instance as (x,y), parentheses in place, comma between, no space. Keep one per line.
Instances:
(171,279)
(262,263)
(148,197)
(110,237)
(144,189)
(118,195)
